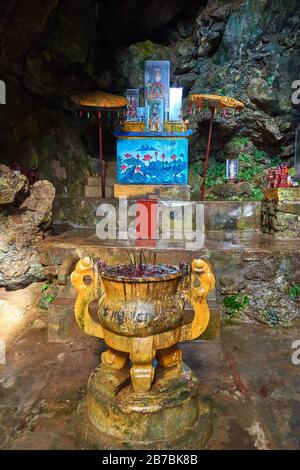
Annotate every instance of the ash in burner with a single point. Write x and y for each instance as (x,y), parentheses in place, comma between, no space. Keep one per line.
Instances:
(140,270)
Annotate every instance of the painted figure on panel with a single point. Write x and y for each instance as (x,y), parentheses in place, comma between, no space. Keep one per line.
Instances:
(154,121)
(156,88)
(133,102)
(131,108)
(155,115)
(157,80)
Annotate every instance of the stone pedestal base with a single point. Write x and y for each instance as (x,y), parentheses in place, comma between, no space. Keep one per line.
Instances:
(169,416)
(281,212)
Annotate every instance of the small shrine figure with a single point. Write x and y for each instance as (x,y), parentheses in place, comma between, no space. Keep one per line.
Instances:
(271,178)
(131,108)
(279,177)
(232,170)
(154,121)
(284,176)
(156,88)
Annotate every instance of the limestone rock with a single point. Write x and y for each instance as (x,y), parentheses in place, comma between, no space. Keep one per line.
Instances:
(12,186)
(74,32)
(52,142)
(129,62)
(210,27)
(21,228)
(264,96)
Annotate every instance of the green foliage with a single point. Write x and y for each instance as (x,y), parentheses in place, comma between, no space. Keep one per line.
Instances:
(294,292)
(45,287)
(246,158)
(220,92)
(257,194)
(215,175)
(211,197)
(246,174)
(253,163)
(49,298)
(259,155)
(292,171)
(270,80)
(234,304)
(240,141)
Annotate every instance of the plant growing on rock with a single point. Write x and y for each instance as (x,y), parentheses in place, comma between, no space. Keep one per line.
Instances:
(48,297)
(234,304)
(294,292)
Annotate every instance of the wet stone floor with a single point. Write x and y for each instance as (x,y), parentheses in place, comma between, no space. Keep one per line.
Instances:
(247,377)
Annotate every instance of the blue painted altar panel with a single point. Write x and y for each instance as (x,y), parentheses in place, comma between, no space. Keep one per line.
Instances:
(152,159)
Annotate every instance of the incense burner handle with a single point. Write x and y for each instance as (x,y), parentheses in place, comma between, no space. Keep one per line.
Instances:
(85,279)
(202,281)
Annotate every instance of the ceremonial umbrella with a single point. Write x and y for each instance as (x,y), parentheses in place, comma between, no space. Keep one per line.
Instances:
(212,102)
(99,101)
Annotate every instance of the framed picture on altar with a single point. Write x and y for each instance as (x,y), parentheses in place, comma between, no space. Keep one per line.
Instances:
(157,81)
(154,115)
(133,96)
(175,104)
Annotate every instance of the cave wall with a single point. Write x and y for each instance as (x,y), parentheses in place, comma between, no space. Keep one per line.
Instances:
(53,49)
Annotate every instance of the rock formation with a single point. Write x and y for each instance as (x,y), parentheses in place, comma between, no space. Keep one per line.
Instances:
(25,217)
(244,48)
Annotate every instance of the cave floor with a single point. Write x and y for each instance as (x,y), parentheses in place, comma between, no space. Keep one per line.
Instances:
(247,376)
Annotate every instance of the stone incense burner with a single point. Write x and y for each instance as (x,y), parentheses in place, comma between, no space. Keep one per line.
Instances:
(141,318)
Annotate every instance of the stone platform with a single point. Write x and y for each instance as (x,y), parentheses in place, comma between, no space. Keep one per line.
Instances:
(80,212)
(246,263)
(281,212)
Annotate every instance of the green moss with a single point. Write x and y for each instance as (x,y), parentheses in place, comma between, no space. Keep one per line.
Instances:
(294,292)
(235,304)
(240,141)
(145,50)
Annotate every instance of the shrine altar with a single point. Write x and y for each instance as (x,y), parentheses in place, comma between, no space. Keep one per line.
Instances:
(152,158)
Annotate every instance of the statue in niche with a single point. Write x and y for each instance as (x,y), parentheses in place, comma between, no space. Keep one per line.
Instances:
(154,121)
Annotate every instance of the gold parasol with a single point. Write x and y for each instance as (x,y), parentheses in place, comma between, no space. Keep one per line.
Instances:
(215,101)
(99,100)
(212,102)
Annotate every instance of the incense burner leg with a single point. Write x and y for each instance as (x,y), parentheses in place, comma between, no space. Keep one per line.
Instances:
(169,357)
(115,359)
(142,370)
